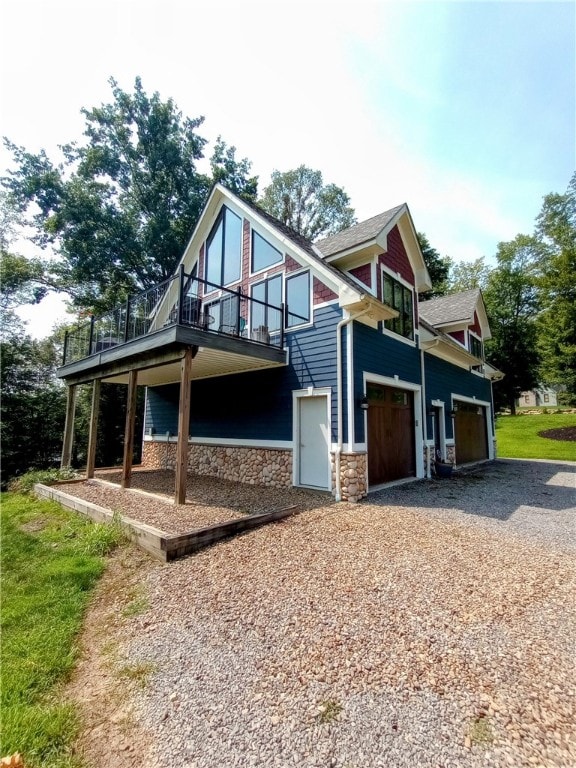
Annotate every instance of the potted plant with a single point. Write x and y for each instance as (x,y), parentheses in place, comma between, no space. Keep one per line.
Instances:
(442,467)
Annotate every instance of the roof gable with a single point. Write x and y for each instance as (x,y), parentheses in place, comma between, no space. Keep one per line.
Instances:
(291,241)
(456,309)
(373,233)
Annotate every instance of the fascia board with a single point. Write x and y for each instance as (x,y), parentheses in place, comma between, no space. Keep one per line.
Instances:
(443,349)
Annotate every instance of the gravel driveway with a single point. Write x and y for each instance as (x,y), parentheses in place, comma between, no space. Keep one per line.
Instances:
(433,625)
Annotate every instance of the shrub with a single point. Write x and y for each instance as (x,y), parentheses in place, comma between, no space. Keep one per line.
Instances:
(25,483)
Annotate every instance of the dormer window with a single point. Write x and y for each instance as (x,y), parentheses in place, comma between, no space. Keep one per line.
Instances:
(400,297)
(476,346)
(224,250)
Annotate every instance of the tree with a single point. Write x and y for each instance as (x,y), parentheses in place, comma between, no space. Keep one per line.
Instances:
(511,299)
(301,200)
(120,208)
(465,275)
(438,269)
(33,404)
(556,227)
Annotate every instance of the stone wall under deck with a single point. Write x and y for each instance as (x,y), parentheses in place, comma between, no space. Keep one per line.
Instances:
(255,466)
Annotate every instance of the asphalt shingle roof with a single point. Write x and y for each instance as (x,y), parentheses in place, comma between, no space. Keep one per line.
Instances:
(305,244)
(360,233)
(455,308)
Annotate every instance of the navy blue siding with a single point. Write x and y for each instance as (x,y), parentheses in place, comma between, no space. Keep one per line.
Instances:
(443,379)
(376,352)
(256,405)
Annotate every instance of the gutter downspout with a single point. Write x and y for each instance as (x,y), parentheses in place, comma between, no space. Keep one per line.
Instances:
(425,417)
(339,444)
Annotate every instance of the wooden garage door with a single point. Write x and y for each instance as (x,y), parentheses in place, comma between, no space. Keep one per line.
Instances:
(391,454)
(470,433)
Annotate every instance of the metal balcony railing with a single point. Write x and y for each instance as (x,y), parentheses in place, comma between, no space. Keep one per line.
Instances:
(180,300)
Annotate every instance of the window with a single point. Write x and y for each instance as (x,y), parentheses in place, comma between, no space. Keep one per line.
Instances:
(268,292)
(263,254)
(475,346)
(526,398)
(400,297)
(546,398)
(298,299)
(224,249)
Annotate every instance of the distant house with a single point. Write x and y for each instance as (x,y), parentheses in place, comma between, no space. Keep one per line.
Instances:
(538,398)
(269,359)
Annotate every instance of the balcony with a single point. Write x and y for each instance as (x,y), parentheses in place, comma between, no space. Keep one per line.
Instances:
(229,332)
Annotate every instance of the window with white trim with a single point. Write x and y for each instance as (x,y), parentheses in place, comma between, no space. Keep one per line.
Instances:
(298,299)
(476,346)
(266,310)
(263,253)
(399,297)
(224,249)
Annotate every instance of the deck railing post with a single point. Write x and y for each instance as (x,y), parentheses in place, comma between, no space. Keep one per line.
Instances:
(238,314)
(181,295)
(127,321)
(91,336)
(283,322)
(65,350)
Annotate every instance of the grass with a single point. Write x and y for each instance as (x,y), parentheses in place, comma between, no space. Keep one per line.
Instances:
(51,559)
(518,437)
(481,732)
(329,710)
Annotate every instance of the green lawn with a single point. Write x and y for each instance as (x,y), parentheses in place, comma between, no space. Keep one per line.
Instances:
(51,559)
(518,437)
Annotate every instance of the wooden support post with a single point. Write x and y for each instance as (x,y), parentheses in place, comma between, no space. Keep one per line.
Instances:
(93,432)
(69,427)
(183,428)
(129,431)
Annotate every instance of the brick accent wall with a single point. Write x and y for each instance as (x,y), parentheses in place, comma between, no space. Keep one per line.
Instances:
(363,273)
(255,466)
(458,335)
(475,328)
(396,257)
(321,292)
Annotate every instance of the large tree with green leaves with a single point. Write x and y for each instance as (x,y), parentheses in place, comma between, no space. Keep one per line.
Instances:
(556,227)
(465,275)
(301,200)
(438,269)
(119,207)
(511,298)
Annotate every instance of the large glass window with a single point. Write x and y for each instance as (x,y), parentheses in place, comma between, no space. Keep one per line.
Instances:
(399,297)
(224,249)
(298,299)
(263,254)
(475,346)
(268,292)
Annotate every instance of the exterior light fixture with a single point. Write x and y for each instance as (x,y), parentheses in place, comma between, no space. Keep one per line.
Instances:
(454,411)
(364,403)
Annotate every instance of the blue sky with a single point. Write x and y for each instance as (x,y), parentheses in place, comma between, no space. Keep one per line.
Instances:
(465,110)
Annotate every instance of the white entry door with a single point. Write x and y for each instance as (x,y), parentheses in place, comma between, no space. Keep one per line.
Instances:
(313,442)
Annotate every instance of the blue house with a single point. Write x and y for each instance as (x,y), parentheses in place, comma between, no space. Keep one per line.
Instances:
(269,359)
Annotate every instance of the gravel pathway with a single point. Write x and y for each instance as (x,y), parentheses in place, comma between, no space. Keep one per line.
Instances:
(386,633)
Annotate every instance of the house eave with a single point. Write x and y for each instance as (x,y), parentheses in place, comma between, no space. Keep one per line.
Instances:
(368,306)
(450,352)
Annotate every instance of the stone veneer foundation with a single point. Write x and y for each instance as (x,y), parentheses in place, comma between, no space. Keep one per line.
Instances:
(353,474)
(255,466)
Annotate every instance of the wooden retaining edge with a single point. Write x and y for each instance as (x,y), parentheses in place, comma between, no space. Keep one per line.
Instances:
(179,545)
(144,535)
(160,544)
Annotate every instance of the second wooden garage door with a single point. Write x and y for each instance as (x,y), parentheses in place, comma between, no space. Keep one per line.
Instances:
(391,454)
(470,433)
